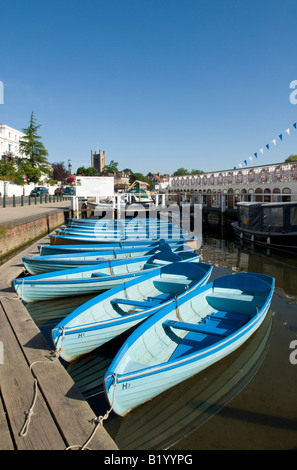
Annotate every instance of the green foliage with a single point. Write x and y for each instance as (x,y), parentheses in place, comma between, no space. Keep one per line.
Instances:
(291,158)
(181,172)
(33,174)
(141,177)
(32,148)
(111,168)
(90,171)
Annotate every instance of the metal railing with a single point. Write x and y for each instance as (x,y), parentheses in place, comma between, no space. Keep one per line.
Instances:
(14,201)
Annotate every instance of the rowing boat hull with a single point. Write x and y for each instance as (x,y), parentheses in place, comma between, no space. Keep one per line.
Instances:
(91,279)
(155,358)
(114,312)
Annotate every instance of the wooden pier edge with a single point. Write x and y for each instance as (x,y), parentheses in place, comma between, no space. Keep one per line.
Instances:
(61,418)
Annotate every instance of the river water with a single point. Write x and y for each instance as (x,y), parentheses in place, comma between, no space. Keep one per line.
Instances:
(246,401)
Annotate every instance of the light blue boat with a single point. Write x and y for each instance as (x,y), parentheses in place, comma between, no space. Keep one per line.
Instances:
(112,313)
(124,232)
(48,263)
(187,336)
(116,248)
(89,279)
(66,239)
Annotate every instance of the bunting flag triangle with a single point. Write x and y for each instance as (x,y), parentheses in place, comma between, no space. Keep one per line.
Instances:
(267,146)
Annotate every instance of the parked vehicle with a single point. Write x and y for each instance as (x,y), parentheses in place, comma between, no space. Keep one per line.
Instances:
(58,191)
(39,191)
(69,191)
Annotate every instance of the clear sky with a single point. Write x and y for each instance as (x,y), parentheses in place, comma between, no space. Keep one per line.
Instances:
(157,84)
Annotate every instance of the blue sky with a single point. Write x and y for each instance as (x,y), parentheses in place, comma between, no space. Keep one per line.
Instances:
(157,84)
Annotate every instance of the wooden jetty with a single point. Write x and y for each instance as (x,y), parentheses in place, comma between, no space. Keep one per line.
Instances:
(30,379)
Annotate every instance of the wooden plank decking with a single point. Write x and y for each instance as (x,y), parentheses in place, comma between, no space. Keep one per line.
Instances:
(61,416)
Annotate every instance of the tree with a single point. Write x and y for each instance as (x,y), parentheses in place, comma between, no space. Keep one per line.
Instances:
(59,172)
(291,158)
(140,177)
(181,172)
(111,168)
(90,171)
(197,172)
(32,148)
(32,174)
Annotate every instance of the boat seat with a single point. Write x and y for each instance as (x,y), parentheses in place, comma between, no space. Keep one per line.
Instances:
(208,328)
(230,316)
(224,295)
(135,303)
(235,303)
(160,298)
(172,286)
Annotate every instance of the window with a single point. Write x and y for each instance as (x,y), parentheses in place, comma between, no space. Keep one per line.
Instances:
(293,215)
(273,218)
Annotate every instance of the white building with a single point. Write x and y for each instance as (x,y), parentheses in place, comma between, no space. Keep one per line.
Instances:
(266,183)
(9,140)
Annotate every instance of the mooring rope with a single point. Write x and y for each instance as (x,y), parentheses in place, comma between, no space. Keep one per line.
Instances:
(99,420)
(29,413)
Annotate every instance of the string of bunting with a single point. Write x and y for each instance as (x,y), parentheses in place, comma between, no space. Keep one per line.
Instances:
(274,141)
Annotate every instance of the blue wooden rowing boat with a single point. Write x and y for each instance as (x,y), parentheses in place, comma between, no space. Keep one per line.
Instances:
(96,278)
(48,263)
(116,248)
(187,336)
(66,239)
(110,314)
(134,231)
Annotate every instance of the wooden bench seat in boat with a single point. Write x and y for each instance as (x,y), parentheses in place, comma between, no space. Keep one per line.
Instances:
(204,328)
(215,326)
(135,303)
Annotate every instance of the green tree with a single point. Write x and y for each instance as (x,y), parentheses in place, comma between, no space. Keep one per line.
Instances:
(291,158)
(32,148)
(32,174)
(181,172)
(83,171)
(141,177)
(111,168)
(197,172)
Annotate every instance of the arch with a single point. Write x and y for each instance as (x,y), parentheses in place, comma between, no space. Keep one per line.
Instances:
(239,177)
(230,199)
(286,195)
(259,197)
(251,176)
(263,175)
(230,177)
(220,179)
(267,195)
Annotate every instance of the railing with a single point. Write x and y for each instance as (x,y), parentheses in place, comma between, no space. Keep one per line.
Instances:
(263,176)
(14,201)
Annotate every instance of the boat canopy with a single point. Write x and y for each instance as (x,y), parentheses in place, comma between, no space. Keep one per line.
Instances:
(268,217)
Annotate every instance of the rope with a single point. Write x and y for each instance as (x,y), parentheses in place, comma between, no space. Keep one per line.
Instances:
(99,420)
(54,355)
(24,431)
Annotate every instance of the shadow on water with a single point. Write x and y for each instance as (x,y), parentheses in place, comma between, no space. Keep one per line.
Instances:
(236,403)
